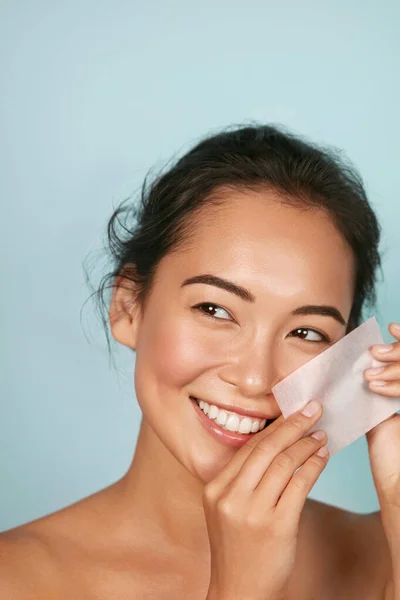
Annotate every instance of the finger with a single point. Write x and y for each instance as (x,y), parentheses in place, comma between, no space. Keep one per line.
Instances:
(385,388)
(388,373)
(294,496)
(270,428)
(386,352)
(283,466)
(232,468)
(394,330)
(259,460)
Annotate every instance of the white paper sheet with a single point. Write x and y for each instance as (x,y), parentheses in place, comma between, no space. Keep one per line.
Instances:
(335,378)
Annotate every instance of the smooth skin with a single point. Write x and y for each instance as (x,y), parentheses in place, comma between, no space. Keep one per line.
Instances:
(146,535)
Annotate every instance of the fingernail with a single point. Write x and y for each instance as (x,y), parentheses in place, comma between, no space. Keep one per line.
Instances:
(382,348)
(396,327)
(323,451)
(318,435)
(374,372)
(378,382)
(311,408)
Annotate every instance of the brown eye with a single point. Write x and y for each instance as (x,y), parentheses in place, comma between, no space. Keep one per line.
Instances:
(209,309)
(302,333)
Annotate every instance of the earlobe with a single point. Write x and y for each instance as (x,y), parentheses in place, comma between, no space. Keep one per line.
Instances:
(124,313)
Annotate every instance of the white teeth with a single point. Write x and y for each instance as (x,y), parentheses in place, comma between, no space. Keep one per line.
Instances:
(231,421)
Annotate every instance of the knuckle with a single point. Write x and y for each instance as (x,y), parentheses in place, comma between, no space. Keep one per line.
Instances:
(284,461)
(316,461)
(208,490)
(301,482)
(227,509)
(210,493)
(297,423)
(259,445)
(311,443)
(263,447)
(251,443)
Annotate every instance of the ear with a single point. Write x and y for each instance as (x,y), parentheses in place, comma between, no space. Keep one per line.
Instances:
(124,313)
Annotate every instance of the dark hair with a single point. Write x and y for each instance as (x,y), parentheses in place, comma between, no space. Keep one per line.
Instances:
(252,157)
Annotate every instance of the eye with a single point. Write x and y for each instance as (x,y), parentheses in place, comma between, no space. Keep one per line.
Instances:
(303,331)
(207,308)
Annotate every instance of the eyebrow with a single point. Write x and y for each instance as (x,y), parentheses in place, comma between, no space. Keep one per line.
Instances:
(247,296)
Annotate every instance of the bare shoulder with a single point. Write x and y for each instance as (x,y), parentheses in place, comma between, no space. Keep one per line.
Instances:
(28,568)
(36,558)
(64,554)
(344,554)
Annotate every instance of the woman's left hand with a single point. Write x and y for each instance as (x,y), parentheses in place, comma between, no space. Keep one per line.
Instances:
(384,449)
(384,439)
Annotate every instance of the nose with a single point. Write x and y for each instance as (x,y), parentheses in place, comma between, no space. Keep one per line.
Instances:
(254,370)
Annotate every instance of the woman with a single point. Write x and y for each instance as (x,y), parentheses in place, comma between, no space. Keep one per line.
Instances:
(255,252)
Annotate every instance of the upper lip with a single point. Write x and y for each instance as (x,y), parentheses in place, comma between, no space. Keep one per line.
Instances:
(245,412)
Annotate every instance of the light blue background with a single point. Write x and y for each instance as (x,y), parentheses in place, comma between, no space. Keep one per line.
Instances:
(94,93)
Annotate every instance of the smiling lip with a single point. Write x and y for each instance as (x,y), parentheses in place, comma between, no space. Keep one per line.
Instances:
(228,438)
(249,412)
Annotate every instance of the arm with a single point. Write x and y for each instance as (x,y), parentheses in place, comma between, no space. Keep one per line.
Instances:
(364,559)
(388,592)
(390,507)
(392,585)
(378,559)
(384,454)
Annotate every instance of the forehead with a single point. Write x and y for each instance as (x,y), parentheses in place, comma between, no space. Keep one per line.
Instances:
(254,238)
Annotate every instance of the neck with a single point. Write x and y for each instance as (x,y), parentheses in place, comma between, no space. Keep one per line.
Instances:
(162,498)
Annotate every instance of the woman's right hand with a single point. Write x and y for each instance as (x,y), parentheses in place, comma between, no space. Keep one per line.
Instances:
(253,507)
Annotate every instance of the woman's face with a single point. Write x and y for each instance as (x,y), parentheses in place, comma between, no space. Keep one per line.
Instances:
(286,258)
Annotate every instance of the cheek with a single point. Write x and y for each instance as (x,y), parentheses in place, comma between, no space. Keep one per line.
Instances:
(173,351)
(295,357)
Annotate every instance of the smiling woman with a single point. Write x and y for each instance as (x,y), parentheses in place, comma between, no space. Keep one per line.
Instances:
(253,253)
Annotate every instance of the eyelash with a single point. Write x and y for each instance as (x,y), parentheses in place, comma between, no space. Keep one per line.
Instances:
(325,338)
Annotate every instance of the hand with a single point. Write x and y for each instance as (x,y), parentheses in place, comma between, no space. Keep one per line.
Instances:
(384,454)
(253,506)
(384,439)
